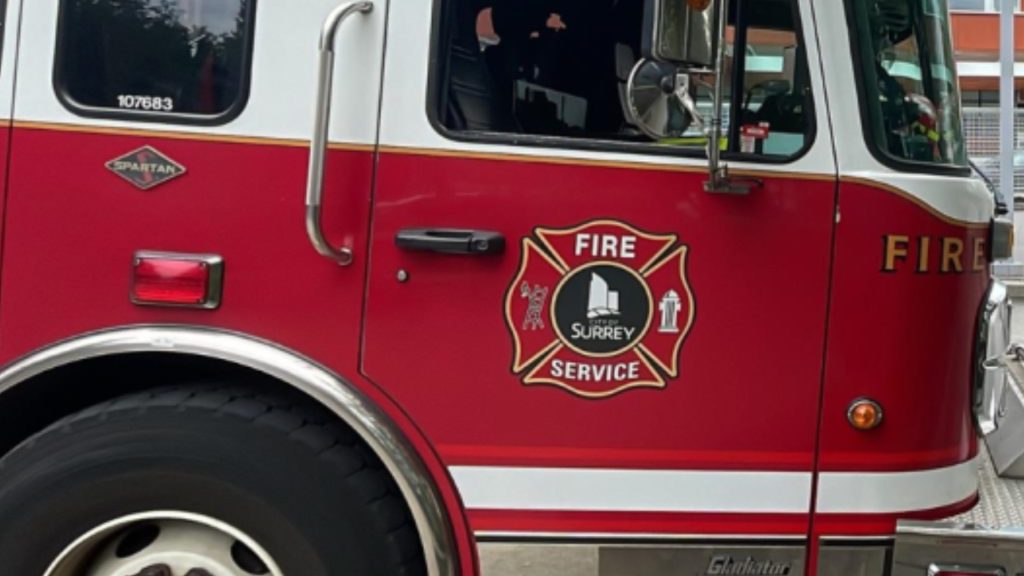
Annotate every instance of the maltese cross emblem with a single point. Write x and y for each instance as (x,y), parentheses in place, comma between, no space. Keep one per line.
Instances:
(599,309)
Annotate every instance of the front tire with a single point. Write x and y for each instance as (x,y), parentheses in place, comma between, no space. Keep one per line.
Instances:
(284,483)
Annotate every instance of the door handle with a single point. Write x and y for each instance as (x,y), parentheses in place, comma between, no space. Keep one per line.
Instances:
(451,241)
(321,128)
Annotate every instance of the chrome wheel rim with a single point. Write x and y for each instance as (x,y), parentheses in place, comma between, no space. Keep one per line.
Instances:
(164,544)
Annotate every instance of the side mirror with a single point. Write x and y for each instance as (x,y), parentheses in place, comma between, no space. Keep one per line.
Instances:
(681,32)
(661,100)
(690,35)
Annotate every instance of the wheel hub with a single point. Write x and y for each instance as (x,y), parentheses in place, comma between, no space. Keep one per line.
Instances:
(165,544)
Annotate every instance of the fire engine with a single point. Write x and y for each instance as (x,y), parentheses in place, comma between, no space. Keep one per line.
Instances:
(500,287)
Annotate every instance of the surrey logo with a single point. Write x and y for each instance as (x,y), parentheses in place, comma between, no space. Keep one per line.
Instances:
(619,309)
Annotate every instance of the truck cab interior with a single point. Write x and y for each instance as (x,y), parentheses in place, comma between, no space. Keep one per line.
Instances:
(561,68)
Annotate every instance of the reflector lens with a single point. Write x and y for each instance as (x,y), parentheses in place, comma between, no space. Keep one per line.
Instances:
(178,280)
(864,414)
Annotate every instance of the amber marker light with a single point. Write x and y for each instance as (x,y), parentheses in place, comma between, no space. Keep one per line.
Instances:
(865,414)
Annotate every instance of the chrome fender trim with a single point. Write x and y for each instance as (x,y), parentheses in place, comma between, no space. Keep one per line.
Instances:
(375,427)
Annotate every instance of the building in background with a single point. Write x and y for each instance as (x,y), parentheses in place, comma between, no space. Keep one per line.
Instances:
(976,41)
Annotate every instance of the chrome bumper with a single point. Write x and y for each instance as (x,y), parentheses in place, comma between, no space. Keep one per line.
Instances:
(993,355)
(990,538)
(932,548)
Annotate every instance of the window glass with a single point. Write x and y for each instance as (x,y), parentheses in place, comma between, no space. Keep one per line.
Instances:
(909,81)
(772,118)
(562,68)
(186,57)
(967,4)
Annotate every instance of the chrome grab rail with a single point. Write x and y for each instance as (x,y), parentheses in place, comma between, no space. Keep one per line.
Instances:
(321,129)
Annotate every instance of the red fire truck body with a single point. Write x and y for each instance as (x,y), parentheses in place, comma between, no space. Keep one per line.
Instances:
(551,344)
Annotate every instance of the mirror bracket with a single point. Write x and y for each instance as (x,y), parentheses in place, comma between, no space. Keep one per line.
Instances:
(682,93)
(720,182)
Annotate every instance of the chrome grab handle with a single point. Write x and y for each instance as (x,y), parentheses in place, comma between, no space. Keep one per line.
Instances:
(321,128)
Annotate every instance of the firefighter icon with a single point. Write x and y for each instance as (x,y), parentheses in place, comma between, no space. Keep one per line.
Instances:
(602,331)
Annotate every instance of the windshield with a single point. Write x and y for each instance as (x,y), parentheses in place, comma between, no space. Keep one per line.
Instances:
(908,80)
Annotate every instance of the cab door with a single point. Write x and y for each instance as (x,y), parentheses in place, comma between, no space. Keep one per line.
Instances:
(184,126)
(8,54)
(593,343)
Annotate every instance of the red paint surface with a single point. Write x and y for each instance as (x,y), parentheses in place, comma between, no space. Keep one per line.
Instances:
(905,339)
(750,371)
(435,351)
(639,523)
(73,227)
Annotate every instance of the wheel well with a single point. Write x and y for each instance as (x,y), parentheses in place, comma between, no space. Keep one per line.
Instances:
(68,376)
(38,402)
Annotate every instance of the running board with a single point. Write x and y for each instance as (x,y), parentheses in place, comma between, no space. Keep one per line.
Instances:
(648,559)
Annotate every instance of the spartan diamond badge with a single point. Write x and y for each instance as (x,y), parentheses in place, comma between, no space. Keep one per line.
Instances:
(599,309)
(146,168)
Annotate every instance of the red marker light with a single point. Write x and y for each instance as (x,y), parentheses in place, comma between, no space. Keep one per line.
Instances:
(183,280)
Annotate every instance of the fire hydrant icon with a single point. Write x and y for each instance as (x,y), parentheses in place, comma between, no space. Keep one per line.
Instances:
(669,307)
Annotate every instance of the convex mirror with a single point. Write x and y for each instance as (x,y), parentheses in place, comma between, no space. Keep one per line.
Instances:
(661,100)
(681,32)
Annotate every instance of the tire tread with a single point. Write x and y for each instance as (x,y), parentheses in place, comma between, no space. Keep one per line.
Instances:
(306,425)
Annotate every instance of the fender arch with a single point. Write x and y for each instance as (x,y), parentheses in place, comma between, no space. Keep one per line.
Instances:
(380,433)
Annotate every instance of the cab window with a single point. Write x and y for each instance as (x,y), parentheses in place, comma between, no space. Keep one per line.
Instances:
(531,70)
(158,59)
(908,81)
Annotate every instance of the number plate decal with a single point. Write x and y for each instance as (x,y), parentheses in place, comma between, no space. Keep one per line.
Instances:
(146,168)
(599,309)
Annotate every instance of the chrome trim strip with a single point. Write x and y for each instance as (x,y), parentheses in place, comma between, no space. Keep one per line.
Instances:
(633,559)
(939,569)
(336,394)
(321,128)
(840,539)
(941,530)
(993,355)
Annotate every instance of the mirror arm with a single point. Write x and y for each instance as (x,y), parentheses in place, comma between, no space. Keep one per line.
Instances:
(718,172)
(683,94)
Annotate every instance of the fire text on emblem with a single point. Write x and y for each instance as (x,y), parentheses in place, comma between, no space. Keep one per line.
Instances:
(146,167)
(599,309)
